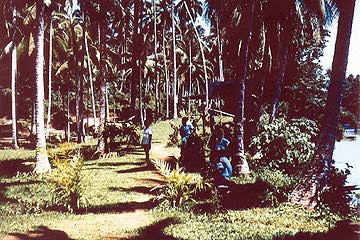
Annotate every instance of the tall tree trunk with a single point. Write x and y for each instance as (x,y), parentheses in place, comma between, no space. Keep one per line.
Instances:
(135,57)
(175,96)
(107,104)
(141,104)
(102,140)
(280,75)
(13,83)
(50,77)
(79,98)
(308,189)
(167,89)
(202,57)
(241,165)
(157,101)
(42,162)
(68,130)
(190,77)
(90,78)
(218,36)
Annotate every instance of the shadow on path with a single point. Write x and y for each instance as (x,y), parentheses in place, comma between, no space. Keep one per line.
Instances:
(41,233)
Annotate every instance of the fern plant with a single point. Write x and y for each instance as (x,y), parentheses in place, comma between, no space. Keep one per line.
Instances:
(179,186)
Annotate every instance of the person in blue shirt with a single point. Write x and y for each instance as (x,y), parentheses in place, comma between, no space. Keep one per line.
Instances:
(220,157)
(185,132)
(146,140)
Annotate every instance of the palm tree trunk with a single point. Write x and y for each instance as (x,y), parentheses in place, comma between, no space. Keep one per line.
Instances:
(102,140)
(157,102)
(175,96)
(90,80)
(68,116)
(284,49)
(141,104)
(135,57)
(241,165)
(42,162)
(190,77)
(167,89)
(50,77)
(107,104)
(202,57)
(79,91)
(218,36)
(307,191)
(13,84)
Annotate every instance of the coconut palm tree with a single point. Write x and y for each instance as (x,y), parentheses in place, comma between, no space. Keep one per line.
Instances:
(308,190)
(13,82)
(42,162)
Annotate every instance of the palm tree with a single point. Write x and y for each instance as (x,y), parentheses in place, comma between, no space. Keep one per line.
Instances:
(13,83)
(42,162)
(135,55)
(307,191)
(247,21)
(175,94)
(50,75)
(157,101)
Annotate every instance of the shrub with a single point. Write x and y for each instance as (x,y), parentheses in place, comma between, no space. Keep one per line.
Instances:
(179,186)
(280,184)
(336,195)
(286,146)
(66,179)
(125,133)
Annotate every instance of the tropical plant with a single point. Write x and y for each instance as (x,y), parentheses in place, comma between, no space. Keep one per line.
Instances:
(285,146)
(66,180)
(179,187)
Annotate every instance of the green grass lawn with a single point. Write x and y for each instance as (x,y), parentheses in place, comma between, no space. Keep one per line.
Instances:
(121,206)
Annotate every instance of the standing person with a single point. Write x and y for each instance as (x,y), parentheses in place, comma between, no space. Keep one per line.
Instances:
(146,141)
(185,132)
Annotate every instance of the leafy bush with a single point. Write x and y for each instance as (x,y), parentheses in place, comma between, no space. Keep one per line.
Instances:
(179,186)
(66,180)
(286,146)
(280,184)
(336,195)
(125,133)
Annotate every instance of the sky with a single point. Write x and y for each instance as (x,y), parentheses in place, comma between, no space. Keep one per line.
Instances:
(354,51)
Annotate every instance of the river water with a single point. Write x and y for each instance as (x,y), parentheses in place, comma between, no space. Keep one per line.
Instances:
(348,151)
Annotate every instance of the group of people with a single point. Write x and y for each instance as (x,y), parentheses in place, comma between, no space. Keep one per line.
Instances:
(192,152)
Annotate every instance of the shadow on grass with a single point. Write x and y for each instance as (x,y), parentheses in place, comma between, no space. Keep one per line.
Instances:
(155,231)
(244,196)
(114,164)
(41,233)
(123,207)
(344,230)
(145,190)
(9,168)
